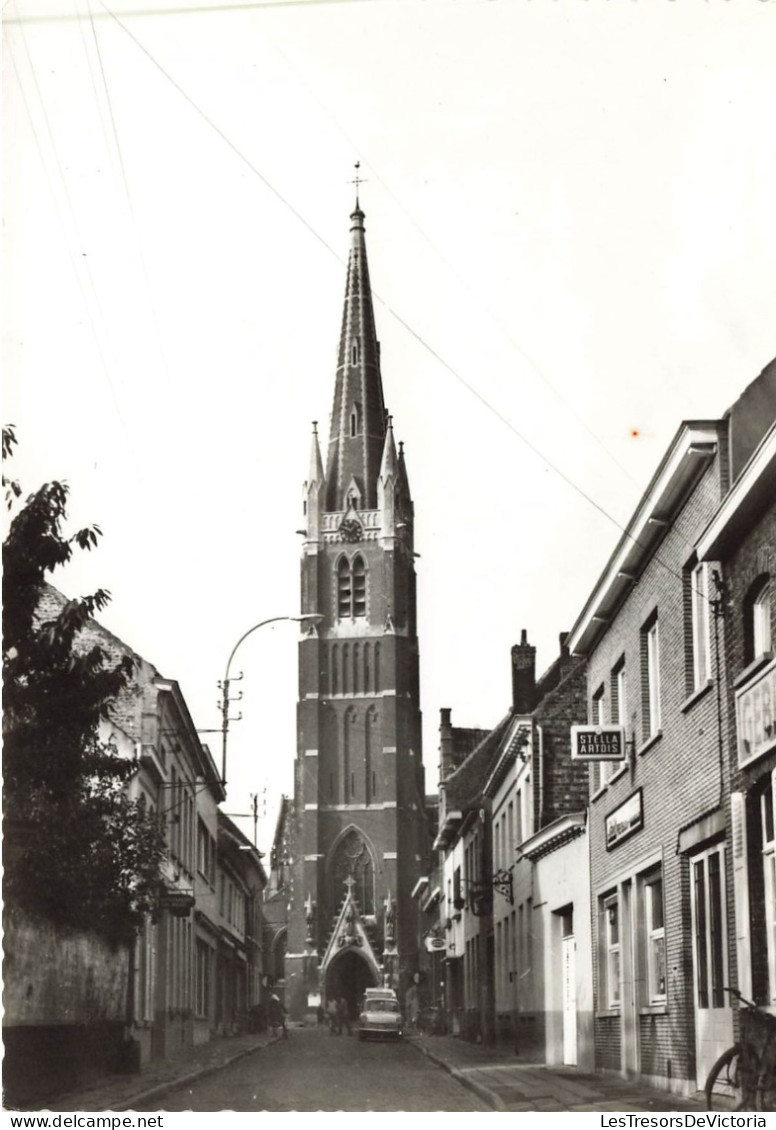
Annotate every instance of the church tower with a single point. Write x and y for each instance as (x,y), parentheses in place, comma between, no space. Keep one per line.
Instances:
(359,828)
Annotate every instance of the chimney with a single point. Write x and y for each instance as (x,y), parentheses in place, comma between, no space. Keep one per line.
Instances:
(446,757)
(523,675)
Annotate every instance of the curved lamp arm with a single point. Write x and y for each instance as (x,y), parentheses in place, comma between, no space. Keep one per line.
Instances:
(307,617)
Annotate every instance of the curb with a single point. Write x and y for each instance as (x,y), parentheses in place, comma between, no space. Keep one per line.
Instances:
(160,1089)
(490,1097)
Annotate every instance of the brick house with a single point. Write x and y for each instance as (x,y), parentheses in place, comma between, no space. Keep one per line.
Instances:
(660,863)
(514,869)
(740,544)
(537,798)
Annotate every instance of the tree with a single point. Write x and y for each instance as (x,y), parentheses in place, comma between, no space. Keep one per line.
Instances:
(79,851)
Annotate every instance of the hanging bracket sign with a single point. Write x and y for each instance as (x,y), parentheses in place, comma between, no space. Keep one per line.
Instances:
(597,743)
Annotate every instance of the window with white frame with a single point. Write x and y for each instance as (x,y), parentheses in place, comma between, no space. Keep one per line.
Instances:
(650,677)
(700,625)
(601,769)
(761,619)
(768,822)
(655,937)
(611,952)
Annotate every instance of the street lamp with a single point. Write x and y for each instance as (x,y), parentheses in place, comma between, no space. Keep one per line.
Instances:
(305,618)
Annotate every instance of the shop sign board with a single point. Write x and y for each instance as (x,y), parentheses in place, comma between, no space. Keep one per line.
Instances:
(597,743)
(756,715)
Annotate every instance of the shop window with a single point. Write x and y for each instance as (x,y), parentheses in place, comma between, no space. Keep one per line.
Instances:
(767,823)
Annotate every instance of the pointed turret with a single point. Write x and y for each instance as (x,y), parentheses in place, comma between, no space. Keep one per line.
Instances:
(314,489)
(386,484)
(357,433)
(316,463)
(389,464)
(402,475)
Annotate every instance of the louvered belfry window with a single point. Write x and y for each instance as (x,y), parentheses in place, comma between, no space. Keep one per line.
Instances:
(351,588)
(359,587)
(344,589)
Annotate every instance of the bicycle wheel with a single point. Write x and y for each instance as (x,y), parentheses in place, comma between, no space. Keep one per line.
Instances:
(725,1087)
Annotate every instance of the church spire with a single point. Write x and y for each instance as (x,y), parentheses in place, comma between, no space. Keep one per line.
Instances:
(357,432)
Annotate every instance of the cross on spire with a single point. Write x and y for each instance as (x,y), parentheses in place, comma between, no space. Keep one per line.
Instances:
(350,883)
(358,179)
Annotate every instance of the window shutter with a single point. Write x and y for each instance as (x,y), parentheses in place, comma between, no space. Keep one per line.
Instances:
(741,888)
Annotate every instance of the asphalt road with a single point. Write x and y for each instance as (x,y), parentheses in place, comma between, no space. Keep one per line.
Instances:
(314,1071)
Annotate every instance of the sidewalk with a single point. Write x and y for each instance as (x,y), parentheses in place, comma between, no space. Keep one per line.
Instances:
(126,1092)
(506,1083)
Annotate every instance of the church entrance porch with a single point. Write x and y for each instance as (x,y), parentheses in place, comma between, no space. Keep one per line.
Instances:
(348,976)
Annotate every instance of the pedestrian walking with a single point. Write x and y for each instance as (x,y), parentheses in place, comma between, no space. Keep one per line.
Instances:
(277,1016)
(334,1021)
(344,1015)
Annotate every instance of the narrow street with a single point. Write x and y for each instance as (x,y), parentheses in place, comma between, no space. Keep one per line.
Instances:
(315,1071)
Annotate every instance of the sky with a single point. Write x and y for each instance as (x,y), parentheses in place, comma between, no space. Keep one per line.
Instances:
(571,235)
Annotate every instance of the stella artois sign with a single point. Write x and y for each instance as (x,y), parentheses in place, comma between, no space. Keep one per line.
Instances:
(597,743)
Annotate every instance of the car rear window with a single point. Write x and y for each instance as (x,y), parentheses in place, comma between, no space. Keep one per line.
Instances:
(382,1006)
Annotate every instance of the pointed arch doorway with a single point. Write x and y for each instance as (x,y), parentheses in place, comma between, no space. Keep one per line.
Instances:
(348,976)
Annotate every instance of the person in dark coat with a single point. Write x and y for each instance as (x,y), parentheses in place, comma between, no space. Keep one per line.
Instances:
(334,1020)
(344,1016)
(277,1015)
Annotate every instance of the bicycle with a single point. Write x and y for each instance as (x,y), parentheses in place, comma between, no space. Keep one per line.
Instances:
(744,1077)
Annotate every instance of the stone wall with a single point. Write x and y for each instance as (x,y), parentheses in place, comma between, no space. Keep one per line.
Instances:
(64,1008)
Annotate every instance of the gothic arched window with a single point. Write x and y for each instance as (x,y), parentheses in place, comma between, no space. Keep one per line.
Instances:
(351,588)
(356,668)
(366,667)
(344,589)
(352,859)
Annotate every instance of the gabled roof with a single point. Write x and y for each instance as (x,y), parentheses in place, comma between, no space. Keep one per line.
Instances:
(693,447)
(754,489)
(350,933)
(464,786)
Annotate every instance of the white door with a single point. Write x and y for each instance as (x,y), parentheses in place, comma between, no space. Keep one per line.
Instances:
(568,953)
(713,1014)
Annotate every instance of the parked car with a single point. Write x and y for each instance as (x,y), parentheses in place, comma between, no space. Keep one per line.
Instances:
(380,1015)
